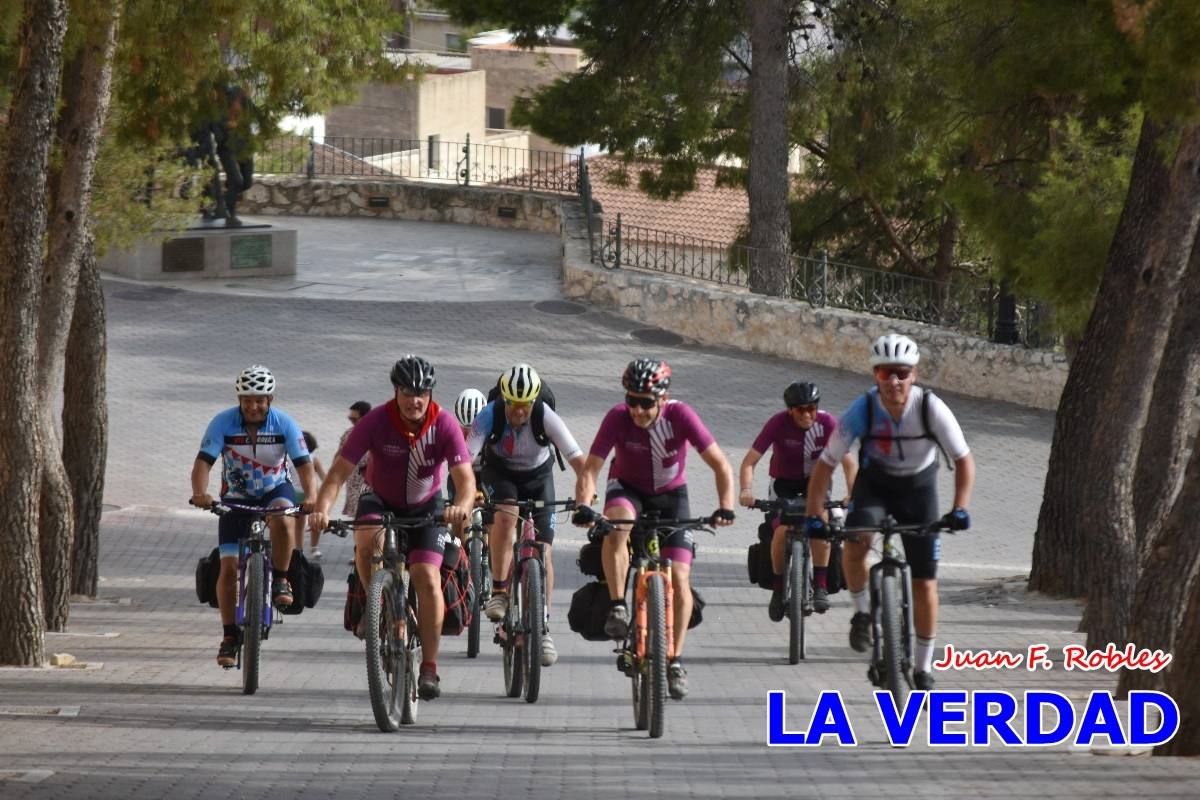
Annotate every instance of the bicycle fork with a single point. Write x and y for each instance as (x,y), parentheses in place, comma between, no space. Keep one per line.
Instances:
(642,613)
(889,565)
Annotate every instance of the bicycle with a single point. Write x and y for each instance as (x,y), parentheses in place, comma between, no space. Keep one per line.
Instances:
(649,644)
(520,633)
(797,573)
(254,586)
(890,582)
(481,576)
(390,622)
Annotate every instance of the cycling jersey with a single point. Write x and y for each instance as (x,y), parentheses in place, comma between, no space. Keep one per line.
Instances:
(406,469)
(252,467)
(652,459)
(518,449)
(794,451)
(897,447)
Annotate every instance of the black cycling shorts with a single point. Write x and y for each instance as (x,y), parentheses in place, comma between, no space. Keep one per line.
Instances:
(235,526)
(680,546)
(534,484)
(424,545)
(912,500)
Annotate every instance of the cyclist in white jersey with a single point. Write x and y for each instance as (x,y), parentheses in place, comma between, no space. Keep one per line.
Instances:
(901,427)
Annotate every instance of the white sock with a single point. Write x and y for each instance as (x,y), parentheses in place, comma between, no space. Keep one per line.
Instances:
(924,655)
(862,601)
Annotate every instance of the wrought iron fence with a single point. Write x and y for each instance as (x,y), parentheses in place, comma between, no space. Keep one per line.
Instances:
(464,163)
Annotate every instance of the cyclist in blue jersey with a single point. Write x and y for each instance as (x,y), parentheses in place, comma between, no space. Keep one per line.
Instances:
(901,427)
(254,442)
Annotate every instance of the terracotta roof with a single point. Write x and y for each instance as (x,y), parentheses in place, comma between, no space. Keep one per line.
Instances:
(709,211)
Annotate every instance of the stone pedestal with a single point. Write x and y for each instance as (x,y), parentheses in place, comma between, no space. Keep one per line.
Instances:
(209,252)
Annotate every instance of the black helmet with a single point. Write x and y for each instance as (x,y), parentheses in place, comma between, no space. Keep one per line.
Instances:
(801,393)
(413,374)
(647,375)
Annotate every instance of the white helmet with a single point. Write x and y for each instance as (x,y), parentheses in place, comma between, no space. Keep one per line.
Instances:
(893,348)
(468,404)
(256,380)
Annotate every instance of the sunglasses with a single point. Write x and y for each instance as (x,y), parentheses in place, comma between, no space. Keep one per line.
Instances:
(516,405)
(809,409)
(899,373)
(640,402)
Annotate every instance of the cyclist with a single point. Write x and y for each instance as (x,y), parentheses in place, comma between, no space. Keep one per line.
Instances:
(253,441)
(297,523)
(517,467)
(650,433)
(796,438)
(409,439)
(356,483)
(469,403)
(900,427)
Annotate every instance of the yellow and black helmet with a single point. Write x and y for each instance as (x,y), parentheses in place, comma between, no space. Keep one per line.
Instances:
(520,384)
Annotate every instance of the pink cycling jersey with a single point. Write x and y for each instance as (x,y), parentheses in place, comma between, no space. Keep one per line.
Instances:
(651,460)
(406,469)
(794,451)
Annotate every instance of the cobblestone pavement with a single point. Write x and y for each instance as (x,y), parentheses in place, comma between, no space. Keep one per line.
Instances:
(154,717)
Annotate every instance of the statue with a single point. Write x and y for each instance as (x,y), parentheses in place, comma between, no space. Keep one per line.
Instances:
(224,144)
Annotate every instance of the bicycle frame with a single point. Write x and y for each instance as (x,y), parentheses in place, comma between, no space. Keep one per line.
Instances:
(646,560)
(256,542)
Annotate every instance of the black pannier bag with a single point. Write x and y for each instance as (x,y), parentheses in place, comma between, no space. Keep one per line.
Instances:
(208,569)
(589,611)
(356,601)
(307,580)
(698,605)
(458,591)
(589,560)
(758,558)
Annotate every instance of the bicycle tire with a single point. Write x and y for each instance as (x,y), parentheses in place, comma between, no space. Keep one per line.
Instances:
(893,647)
(514,674)
(533,608)
(475,559)
(798,591)
(252,625)
(641,696)
(385,670)
(656,652)
(410,663)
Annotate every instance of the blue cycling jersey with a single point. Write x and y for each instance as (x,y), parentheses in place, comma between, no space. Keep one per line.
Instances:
(252,467)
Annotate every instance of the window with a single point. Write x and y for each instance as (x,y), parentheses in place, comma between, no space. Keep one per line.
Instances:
(495,117)
(454,43)
(435,151)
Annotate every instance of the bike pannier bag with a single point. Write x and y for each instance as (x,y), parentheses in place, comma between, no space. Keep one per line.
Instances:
(457,590)
(298,576)
(589,610)
(208,569)
(698,605)
(356,602)
(589,560)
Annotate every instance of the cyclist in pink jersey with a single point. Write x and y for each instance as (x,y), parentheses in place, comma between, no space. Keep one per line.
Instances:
(796,438)
(410,440)
(650,434)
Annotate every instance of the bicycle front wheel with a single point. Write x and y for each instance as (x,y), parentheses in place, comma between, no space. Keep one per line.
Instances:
(656,652)
(252,625)
(893,644)
(475,559)
(533,610)
(798,593)
(514,657)
(410,661)
(385,651)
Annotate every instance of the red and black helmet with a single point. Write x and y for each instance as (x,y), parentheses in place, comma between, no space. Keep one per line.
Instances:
(647,375)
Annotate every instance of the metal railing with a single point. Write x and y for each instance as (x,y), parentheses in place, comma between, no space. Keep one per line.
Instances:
(464,163)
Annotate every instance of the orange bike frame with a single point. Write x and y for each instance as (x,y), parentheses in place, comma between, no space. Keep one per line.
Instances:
(641,615)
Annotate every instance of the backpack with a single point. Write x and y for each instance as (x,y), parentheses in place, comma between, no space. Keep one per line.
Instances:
(589,611)
(208,569)
(928,434)
(458,591)
(307,580)
(537,420)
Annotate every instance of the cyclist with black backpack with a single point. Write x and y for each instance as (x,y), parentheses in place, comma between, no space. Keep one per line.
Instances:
(796,438)
(516,433)
(900,427)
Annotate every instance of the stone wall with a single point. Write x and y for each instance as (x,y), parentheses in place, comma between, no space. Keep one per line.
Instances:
(732,317)
(395,199)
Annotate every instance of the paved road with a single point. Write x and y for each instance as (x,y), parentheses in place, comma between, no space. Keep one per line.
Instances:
(159,718)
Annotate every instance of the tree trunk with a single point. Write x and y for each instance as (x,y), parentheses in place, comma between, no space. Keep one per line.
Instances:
(1060,566)
(1180,678)
(1165,243)
(25,152)
(87,79)
(85,421)
(770,224)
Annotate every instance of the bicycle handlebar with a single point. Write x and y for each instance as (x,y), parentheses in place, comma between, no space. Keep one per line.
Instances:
(341,527)
(528,505)
(604,524)
(889,527)
(220,508)
(778,503)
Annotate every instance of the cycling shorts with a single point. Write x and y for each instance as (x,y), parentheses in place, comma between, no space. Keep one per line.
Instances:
(235,526)
(680,546)
(912,500)
(534,484)
(423,545)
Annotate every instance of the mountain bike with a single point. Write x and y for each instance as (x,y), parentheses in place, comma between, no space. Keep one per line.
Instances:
(481,575)
(390,621)
(649,644)
(255,614)
(797,573)
(890,582)
(520,633)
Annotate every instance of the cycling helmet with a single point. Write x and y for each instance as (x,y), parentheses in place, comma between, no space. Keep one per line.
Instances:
(520,384)
(801,393)
(468,404)
(255,381)
(413,374)
(893,348)
(647,375)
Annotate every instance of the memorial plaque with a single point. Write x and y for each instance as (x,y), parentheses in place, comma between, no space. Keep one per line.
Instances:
(183,255)
(250,252)
(506,212)
(377,201)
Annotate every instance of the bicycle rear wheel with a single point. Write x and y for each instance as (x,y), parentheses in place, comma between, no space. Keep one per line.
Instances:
(475,559)
(410,663)
(893,645)
(252,624)
(798,592)
(386,655)
(533,608)
(656,652)
(514,657)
